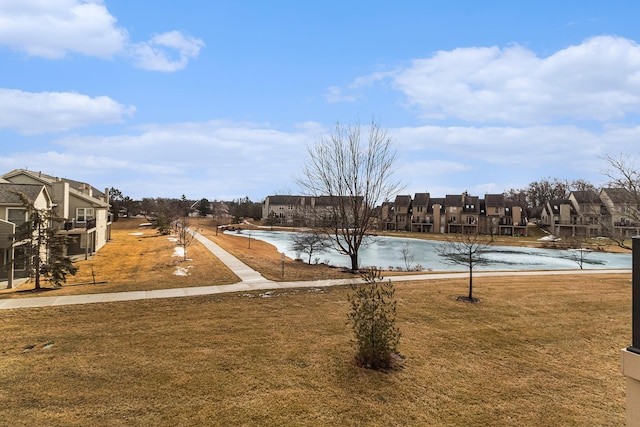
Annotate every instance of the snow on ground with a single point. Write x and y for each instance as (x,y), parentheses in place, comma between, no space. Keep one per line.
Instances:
(178,251)
(172,239)
(182,271)
(139,233)
(549,238)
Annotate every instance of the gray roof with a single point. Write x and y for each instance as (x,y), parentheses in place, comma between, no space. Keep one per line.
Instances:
(586,196)
(619,195)
(9,193)
(421,199)
(50,179)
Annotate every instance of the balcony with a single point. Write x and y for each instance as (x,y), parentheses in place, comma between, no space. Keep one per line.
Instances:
(626,223)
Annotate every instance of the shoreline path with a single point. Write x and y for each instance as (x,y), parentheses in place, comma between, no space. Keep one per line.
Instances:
(251,280)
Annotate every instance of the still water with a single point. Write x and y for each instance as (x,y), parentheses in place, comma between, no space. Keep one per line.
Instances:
(386,253)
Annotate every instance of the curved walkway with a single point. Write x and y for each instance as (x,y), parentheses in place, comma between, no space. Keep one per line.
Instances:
(252,280)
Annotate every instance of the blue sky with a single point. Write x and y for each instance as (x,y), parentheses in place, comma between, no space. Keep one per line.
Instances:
(220,99)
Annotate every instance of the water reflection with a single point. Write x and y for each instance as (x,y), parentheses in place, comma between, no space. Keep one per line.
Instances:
(386,253)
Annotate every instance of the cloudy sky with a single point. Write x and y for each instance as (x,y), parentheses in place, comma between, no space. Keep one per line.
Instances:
(220,99)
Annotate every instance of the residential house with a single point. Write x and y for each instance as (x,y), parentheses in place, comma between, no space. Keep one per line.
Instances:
(494,210)
(589,212)
(421,221)
(499,218)
(299,211)
(557,216)
(623,212)
(402,212)
(515,222)
(85,209)
(387,217)
(463,213)
(13,214)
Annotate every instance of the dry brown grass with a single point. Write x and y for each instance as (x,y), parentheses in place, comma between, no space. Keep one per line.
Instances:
(535,351)
(138,258)
(264,257)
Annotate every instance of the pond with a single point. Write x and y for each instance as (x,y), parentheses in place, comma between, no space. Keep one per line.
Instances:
(386,253)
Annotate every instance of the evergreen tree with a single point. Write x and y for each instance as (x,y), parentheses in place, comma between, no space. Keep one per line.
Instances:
(45,247)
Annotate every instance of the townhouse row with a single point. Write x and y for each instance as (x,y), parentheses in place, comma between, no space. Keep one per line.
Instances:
(453,214)
(422,213)
(84,211)
(611,212)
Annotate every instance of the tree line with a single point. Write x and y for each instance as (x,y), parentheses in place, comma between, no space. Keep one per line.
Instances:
(170,209)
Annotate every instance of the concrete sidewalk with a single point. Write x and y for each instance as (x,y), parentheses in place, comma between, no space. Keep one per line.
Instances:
(251,280)
(242,270)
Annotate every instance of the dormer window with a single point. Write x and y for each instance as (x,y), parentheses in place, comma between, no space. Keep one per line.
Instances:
(84,214)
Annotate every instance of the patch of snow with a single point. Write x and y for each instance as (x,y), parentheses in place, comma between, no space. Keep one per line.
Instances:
(145,224)
(172,239)
(549,238)
(182,271)
(139,233)
(178,251)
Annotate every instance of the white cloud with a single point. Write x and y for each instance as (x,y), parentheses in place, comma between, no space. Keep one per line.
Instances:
(597,80)
(36,113)
(226,157)
(53,29)
(155,54)
(223,159)
(50,29)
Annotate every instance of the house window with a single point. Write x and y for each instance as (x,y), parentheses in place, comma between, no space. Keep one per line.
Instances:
(17,216)
(84,214)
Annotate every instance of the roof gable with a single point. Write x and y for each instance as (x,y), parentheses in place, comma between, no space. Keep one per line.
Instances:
(9,193)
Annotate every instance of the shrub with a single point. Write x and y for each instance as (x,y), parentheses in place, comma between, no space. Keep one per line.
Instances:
(372,318)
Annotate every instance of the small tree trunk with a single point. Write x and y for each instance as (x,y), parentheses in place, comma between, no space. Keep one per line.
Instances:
(471,283)
(38,253)
(354,262)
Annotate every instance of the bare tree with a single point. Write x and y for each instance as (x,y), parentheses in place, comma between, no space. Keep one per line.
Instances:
(311,242)
(407,256)
(185,236)
(356,177)
(540,192)
(469,250)
(219,213)
(579,249)
(624,183)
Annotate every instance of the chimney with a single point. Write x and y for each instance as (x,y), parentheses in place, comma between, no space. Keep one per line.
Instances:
(60,196)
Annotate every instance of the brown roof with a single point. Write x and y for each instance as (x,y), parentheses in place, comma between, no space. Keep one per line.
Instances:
(453,200)
(494,200)
(403,200)
(421,199)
